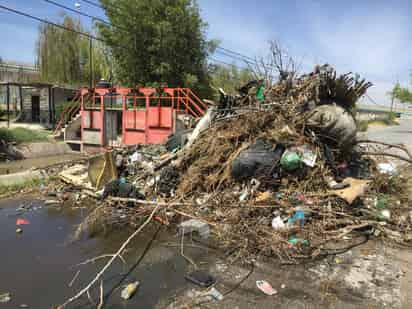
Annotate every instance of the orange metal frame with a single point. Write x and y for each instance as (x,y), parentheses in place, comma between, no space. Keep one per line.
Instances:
(147,117)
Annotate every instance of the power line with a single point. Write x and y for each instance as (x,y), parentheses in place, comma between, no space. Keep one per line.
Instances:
(50,23)
(373,101)
(89,36)
(77,12)
(98,5)
(93,3)
(225,51)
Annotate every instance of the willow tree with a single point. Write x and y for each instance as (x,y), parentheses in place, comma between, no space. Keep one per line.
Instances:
(157,41)
(63,56)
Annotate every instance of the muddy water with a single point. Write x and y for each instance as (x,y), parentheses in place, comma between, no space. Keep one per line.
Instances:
(36,266)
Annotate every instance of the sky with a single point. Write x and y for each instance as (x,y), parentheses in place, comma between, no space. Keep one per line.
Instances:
(369,37)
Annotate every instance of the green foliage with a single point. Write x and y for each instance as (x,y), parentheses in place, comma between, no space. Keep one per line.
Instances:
(64,56)
(404,95)
(158,41)
(22,135)
(229,77)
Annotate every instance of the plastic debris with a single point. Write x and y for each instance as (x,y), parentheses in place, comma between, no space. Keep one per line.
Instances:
(290,160)
(335,122)
(381,202)
(260,94)
(200,278)
(308,156)
(265,287)
(20,221)
(295,240)
(136,157)
(384,215)
(387,168)
(192,225)
(244,196)
(277,223)
(5,298)
(216,294)
(298,217)
(130,290)
(257,160)
(333,185)
(51,202)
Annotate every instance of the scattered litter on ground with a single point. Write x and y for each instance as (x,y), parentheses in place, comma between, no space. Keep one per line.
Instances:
(20,221)
(275,170)
(5,298)
(265,287)
(387,168)
(216,294)
(200,278)
(130,290)
(189,226)
(51,202)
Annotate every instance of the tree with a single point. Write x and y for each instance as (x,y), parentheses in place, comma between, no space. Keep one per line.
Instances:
(64,56)
(229,78)
(404,95)
(157,41)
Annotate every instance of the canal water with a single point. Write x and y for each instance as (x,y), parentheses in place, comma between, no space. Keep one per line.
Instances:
(37,265)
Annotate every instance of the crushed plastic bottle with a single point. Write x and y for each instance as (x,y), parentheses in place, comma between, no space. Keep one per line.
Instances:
(129,290)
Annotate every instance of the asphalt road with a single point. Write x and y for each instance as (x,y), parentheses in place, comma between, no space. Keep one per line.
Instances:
(401,134)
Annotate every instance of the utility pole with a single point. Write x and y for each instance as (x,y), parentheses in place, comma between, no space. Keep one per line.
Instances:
(393,95)
(91,63)
(8,105)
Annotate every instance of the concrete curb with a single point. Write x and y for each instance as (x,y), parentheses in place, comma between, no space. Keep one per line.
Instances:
(20,178)
(36,150)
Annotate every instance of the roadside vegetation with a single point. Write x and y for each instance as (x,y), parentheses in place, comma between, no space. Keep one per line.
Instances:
(22,135)
(389,120)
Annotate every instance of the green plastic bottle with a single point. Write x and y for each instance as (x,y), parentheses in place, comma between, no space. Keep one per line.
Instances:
(290,160)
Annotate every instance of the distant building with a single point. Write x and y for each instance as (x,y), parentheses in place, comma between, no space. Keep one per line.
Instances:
(26,99)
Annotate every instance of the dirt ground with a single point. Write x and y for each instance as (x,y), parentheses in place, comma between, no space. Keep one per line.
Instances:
(370,276)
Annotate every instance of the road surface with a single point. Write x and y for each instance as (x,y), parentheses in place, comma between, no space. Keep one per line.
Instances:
(401,134)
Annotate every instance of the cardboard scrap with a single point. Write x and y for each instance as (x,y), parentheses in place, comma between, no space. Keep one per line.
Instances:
(357,188)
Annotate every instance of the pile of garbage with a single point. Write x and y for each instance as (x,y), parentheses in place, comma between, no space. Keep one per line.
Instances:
(283,175)
(274,170)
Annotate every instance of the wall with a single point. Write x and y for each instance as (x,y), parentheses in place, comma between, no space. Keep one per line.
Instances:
(28,93)
(14,73)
